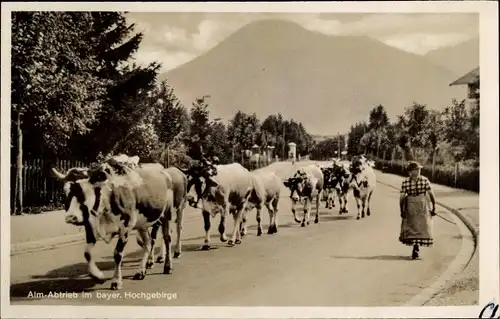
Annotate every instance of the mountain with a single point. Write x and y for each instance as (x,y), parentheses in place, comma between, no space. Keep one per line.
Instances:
(459,59)
(326,82)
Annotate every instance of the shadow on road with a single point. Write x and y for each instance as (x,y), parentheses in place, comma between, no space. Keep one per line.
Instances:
(381,257)
(70,278)
(76,270)
(22,290)
(341,217)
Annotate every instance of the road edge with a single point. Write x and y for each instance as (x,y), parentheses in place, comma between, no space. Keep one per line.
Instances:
(45,244)
(459,263)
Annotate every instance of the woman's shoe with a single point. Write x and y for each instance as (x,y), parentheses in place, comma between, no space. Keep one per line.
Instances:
(414,254)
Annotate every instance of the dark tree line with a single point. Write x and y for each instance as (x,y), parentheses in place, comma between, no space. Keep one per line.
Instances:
(420,133)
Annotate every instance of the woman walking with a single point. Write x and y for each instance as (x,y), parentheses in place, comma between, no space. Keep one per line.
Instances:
(416,224)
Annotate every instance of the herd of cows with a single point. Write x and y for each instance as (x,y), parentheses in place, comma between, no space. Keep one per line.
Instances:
(119,195)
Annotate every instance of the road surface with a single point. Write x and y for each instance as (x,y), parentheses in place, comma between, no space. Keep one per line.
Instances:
(339,262)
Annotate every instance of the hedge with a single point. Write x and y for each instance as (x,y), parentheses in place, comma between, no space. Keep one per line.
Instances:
(468,177)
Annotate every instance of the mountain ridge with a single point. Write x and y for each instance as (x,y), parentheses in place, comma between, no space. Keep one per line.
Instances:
(326,82)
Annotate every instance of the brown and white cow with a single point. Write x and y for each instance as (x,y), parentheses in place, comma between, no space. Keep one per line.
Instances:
(363,182)
(329,183)
(341,176)
(116,165)
(179,184)
(225,191)
(109,204)
(307,183)
(266,192)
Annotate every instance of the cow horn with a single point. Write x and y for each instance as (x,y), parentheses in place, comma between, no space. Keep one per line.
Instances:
(57,174)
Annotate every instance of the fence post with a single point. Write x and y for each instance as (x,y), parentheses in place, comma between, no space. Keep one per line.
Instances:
(457,171)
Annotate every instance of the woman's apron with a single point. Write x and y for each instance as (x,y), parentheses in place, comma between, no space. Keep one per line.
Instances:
(416,228)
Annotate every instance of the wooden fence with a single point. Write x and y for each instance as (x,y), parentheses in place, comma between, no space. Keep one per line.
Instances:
(41,190)
(38,186)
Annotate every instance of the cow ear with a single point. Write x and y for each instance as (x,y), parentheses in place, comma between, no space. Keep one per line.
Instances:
(56,174)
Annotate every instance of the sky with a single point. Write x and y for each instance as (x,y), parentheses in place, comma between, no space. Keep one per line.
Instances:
(176,38)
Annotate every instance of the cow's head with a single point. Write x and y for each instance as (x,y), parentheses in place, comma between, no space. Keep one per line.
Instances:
(84,196)
(341,172)
(197,176)
(329,177)
(297,184)
(356,169)
(71,181)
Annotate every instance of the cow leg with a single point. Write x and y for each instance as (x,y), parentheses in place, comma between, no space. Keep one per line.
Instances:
(93,270)
(368,203)
(259,219)
(333,198)
(154,235)
(270,229)
(358,206)
(222,224)
(117,282)
(243,226)
(346,197)
(294,203)
(275,211)
(363,203)
(238,228)
(206,221)
(307,209)
(147,247)
(316,220)
(178,223)
(167,239)
(237,221)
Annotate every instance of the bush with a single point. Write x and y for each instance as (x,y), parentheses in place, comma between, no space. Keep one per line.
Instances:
(468,177)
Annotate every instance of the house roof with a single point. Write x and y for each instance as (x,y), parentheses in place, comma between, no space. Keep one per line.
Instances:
(468,78)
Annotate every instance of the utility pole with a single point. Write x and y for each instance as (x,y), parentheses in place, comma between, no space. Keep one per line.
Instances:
(338,145)
(284,141)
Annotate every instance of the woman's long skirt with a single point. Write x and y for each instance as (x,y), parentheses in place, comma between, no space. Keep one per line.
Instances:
(416,227)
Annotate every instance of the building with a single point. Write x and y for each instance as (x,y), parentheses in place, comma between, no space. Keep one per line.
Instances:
(469,79)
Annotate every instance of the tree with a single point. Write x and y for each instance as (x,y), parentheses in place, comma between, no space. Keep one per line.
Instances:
(456,121)
(274,126)
(355,135)
(130,84)
(378,123)
(55,92)
(435,135)
(53,78)
(413,124)
(219,145)
(378,118)
(243,130)
(199,128)
(172,118)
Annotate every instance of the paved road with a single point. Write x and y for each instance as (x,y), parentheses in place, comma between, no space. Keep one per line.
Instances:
(339,262)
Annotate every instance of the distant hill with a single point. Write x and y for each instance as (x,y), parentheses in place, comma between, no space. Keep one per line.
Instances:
(320,138)
(459,59)
(326,82)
